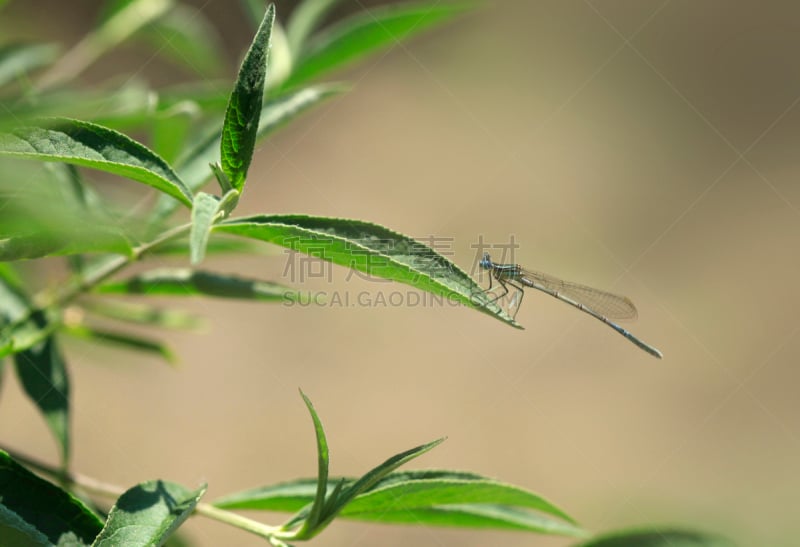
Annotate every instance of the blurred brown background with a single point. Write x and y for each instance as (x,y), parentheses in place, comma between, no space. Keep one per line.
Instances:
(645,147)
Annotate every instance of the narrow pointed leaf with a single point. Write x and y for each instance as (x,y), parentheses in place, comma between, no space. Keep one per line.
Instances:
(142,314)
(95,146)
(148,514)
(316,510)
(364,33)
(210,95)
(49,210)
(39,236)
(119,25)
(123,340)
(372,477)
(223,180)
(304,20)
(19,59)
(280,59)
(484,516)
(19,337)
(43,374)
(414,489)
(185,282)
(658,537)
(314,524)
(185,36)
(171,128)
(193,164)
(217,244)
(372,249)
(287,496)
(276,113)
(74,188)
(18,330)
(244,108)
(430,497)
(75,240)
(36,512)
(114,107)
(11,278)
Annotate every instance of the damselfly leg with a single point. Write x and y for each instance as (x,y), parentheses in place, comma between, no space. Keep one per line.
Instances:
(516,299)
(499,291)
(492,294)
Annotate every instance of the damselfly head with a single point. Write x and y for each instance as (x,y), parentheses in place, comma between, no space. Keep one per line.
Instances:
(486,262)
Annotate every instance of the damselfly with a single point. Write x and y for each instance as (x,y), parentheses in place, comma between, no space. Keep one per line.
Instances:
(599,304)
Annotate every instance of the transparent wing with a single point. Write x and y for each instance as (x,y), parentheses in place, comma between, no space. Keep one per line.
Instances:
(607,304)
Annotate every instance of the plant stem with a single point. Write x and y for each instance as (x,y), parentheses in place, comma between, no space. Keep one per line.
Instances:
(103,272)
(99,488)
(110,268)
(244,523)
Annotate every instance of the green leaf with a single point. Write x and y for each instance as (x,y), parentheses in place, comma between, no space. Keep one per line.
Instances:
(10,276)
(148,514)
(19,59)
(280,59)
(186,282)
(73,188)
(276,113)
(338,500)
(45,241)
(433,497)
(483,516)
(18,533)
(36,512)
(315,513)
(658,537)
(224,183)
(244,108)
(373,476)
(414,489)
(142,314)
(287,496)
(50,210)
(217,244)
(363,33)
(193,165)
(42,372)
(95,146)
(369,248)
(53,226)
(207,210)
(116,28)
(185,36)
(209,94)
(18,328)
(304,20)
(124,340)
(18,337)
(111,106)
(171,127)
